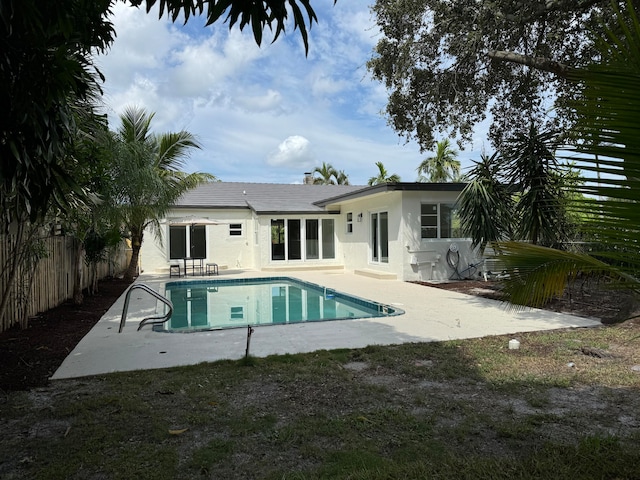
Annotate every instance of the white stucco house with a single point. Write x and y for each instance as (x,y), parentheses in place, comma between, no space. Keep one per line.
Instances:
(395,231)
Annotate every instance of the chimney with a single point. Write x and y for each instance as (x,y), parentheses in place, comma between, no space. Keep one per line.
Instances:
(308,178)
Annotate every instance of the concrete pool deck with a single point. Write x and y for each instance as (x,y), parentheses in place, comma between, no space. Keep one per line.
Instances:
(431,314)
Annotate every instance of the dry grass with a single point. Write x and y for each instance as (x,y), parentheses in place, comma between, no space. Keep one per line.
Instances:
(464,409)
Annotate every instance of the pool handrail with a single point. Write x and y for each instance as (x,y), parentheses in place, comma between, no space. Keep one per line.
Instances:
(148,320)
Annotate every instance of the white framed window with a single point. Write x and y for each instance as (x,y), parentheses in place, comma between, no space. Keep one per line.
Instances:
(235,229)
(350,222)
(439,220)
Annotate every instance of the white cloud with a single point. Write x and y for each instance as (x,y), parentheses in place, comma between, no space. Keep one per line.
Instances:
(241,101)
(269,101)
(294,152)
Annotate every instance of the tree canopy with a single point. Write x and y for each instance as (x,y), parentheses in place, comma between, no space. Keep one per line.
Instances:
(446,63)
(610,144)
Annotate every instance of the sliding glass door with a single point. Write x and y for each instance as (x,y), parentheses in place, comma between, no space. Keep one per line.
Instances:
(297,239)
(380,237)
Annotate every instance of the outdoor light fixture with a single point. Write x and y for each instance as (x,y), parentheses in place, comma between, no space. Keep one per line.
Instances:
(360,217)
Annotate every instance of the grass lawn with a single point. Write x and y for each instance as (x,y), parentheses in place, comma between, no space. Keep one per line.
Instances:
(565,405)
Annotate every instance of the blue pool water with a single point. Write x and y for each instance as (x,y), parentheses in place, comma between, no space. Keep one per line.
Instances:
(218,304)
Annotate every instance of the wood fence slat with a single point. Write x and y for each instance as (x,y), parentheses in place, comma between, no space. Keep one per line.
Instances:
(54,276)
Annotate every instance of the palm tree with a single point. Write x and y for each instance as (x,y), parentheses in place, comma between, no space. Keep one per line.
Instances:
(607,112)
(341,178)
(441,167)
(383,176)
(530,163)
(147,179)
(327,174)
(486,204)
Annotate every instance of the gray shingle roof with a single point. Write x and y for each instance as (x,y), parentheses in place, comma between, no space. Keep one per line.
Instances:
(263,197)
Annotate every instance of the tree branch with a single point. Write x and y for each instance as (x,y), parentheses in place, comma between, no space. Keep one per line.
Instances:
(539,63)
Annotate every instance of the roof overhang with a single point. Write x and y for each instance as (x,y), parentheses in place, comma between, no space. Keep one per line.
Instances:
(392,187)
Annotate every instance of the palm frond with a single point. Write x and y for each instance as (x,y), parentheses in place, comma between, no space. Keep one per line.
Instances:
(537,274)
(609,147)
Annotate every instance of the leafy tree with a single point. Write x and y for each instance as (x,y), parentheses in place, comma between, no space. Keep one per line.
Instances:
(383,176)
(326,174)
(610,144)
(441,167)
(45,70)
(147,178)
(447,62)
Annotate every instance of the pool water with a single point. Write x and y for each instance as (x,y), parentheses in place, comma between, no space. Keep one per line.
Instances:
(218,304)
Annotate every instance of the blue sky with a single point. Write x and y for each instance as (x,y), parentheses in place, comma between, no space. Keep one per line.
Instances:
(263,114)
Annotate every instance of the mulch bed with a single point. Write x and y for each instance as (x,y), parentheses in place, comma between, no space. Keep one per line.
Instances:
(30,356)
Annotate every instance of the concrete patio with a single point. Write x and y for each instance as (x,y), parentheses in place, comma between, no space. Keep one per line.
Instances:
(431,314)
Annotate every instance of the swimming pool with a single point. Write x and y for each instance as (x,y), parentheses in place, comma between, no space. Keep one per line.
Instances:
(221,304)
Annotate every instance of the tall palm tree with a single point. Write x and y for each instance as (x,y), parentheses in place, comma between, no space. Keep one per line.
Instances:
(441,167)
(383,176)
(147,176)
(327,174)
(606,112)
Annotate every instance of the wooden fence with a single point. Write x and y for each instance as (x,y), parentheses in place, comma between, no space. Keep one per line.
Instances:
(53,277)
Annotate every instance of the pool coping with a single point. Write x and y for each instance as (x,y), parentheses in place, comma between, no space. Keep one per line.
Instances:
(431,314)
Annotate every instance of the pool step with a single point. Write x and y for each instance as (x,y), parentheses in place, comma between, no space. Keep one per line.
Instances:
(376,274)
(302,267)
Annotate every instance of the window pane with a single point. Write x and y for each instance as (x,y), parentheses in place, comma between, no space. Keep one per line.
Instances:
(177,242)
(429,232)
(429,220)
(429,209)
(328,239)
(384,237)
(277,239)
(294,240)
(374,237)
(446,217)
(311,237)
(198,241)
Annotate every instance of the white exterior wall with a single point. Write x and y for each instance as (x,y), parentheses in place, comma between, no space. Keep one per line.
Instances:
(224,249)
(356,245)
(425,259)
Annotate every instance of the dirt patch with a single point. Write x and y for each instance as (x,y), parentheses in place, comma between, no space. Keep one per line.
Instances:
(589,298)
(30,356)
